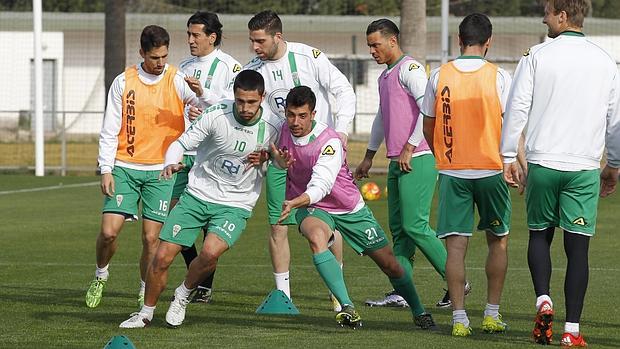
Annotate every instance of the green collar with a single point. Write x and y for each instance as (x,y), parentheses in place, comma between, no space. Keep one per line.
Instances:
(245,122)
(390,66)
(469,57)
(572,33)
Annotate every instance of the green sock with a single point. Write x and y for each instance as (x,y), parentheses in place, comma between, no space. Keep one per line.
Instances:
(329,269)
(405,288)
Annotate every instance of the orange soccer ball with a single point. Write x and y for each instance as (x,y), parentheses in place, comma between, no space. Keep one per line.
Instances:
(370,191)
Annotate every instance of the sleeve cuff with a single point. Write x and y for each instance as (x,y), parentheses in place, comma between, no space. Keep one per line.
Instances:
(509,159)
(314,194)
(105,169)
(342,127)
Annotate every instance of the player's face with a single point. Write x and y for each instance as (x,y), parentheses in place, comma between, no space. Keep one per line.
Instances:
(552,21)
(299,120)
(380,47)
(264,45)
(155,60)
(200,44)
(247,103)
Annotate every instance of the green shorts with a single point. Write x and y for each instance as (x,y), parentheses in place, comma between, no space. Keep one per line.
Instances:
(131,186)
(191,214)
(457,197)
(182,176)
(565,199)
(276,190)
(360,229)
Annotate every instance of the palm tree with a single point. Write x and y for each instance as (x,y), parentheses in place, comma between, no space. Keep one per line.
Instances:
(413,28)
(114,61)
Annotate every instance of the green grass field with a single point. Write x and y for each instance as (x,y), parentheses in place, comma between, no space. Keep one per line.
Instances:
(48,254)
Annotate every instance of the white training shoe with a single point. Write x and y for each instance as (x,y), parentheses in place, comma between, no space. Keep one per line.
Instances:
(392,299)
(136,320)
(176,311)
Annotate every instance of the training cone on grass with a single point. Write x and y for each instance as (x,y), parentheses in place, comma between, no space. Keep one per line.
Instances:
(277,303)
(119,342)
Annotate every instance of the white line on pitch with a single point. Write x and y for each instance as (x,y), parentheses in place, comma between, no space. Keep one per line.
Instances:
(53,187)
(258,266)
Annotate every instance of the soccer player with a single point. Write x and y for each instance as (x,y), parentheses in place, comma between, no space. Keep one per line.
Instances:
(571,115)
(144,114)
(285,65)
(463,107)
(223,187)
(322,189)
(214,72)
(412,173)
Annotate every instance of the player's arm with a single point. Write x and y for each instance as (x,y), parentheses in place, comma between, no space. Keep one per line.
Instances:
(412,77)
(188,96)
(108,138)
(338,86)
(428,109)
(609,174)
(376,138)
(518,105)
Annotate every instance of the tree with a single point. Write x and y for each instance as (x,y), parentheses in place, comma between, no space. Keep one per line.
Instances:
(413,28)
(114,62)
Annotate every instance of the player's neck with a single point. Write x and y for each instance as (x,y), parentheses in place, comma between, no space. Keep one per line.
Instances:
(397,56)
(280,52)
(473,51)
(209,51)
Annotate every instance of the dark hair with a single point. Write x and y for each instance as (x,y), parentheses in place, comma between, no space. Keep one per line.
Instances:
(211,24)
(153,36)
(475,29)
(575,10)
(384,26)
(300,96)
(267,21)
(250,80)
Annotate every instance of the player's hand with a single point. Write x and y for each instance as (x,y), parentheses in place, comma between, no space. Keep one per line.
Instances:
(512,175)
(107,184)
(257,158)
(193,113)
(170,170)
(282,157)
(343,138)
(609,180)
(361,171)
(194,85)
(287,207)
(404,159)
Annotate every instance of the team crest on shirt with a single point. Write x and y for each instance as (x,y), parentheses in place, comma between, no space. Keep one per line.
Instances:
(119,200)
(527,52)
(315,53)
(236,68)
(175,230)
(413,66)
(580,221)
(329,150)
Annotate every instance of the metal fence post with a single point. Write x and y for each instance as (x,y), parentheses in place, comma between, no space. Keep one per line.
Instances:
(63,145)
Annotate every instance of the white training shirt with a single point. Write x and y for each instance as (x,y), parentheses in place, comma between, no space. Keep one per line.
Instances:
(223,142)
(566,95)
(313,69)
(216,72)
(113,117)
(466,64)
(413,81)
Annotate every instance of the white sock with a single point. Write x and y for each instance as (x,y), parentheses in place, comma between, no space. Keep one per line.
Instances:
(282,283)
(183,291)
(460,316)
(541,299)
(147,311)
(572,328)
(142,286)
(492,310)
(102,273)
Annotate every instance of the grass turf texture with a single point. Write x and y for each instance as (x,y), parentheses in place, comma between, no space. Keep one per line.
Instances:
(48,256)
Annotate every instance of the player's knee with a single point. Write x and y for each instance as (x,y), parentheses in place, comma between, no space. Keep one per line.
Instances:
(161,263)
(150,240)
(108,235)
(392,269)
(209,256)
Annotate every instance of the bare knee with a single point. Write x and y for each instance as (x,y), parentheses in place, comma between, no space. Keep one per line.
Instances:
(161,263)
(108,235)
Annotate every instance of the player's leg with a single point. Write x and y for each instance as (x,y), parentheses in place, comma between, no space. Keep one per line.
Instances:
(182,227)
(122,205)
(336,249)
(542,204)
(225,226)
(455,224)
(494,207)
(156,195)
(278,236)
(578,211)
